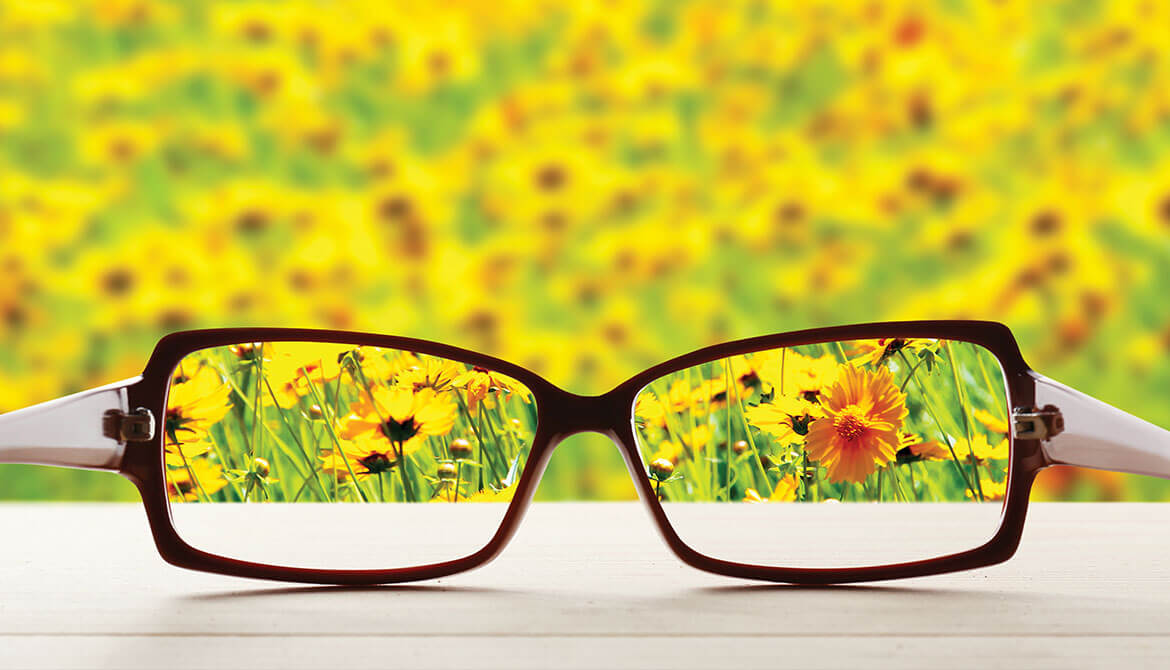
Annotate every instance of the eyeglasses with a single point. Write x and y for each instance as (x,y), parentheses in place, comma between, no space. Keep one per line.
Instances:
(346,458)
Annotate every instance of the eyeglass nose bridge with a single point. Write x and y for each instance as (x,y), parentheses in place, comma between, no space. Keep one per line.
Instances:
(567,414)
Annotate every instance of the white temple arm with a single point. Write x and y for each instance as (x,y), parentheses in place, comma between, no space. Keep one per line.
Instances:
(82,430)
(1097,435)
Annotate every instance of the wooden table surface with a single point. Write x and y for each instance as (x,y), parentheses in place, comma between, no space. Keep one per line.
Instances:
(584,585)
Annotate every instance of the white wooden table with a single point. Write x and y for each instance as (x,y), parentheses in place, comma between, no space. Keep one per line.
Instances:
(82,587)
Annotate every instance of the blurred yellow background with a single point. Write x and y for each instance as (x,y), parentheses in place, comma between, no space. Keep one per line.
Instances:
(585,188)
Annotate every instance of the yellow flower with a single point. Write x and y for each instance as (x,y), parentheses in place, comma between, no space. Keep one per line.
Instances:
(487,495)
(912,448)
(649,409)
(194,404)
(194,480)
(982,449)
(295,369)
(992,422)
(876,352)
(697,437)
(399,415)
(785,418)
(668,450)
(798,376)
(861,427)
(710,394)
(481,382)
(678,397)
(785,490)
(367,456)
(433,373)
(746,374)
(992,490)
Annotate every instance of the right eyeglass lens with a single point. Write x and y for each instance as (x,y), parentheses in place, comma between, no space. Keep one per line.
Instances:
(920,425)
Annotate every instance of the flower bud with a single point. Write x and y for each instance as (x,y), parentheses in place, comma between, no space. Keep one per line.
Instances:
(247,350)
(260,466)
(447,472)
(661,468)
(740,446)
(460,448)
(316,413)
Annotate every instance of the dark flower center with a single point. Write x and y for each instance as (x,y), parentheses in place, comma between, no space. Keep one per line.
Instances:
(800,424)
(376,463)
(892,348)
(551,177)
(400,431)
(1046,223)
(788,214)
(252,221)
(395,208)
(118,282)
(750,380)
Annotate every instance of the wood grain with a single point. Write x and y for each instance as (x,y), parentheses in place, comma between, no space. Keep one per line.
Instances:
(584,585)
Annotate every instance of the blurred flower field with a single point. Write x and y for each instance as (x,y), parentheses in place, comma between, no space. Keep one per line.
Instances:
(585,188)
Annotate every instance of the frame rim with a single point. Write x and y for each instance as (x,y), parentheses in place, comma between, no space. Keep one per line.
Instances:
(560,414)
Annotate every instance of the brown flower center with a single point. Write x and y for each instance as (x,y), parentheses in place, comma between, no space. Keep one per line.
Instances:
(1164,210)
(400,431)
(849,426)
(551,177)
(118,282)
(377,463)
(1046,223)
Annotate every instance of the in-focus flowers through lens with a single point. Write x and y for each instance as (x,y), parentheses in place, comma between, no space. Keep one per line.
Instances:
(276,423)
(892,421)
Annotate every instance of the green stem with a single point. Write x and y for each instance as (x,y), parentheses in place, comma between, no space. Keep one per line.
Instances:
(727,446)
(337,442)
(407,486)
(964,408)
(296,439)
(934,417)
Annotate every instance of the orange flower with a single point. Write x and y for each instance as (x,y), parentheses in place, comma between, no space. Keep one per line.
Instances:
(861,429)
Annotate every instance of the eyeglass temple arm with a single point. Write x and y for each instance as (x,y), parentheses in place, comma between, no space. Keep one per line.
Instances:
(83,430)
(1097,435)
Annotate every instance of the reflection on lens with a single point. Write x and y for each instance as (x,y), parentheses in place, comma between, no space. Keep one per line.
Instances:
(889,421)
(275,423)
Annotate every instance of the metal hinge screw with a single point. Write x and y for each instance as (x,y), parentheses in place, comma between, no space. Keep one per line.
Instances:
(1030,423)
(137,426)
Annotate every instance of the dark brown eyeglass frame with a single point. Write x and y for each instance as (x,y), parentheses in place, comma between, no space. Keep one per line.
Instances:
(51,434)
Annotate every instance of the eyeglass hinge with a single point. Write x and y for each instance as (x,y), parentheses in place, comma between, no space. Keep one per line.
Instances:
(1031,423)
(137,426)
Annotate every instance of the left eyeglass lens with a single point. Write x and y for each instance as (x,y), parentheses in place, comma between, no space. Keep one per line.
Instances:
(269,432)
